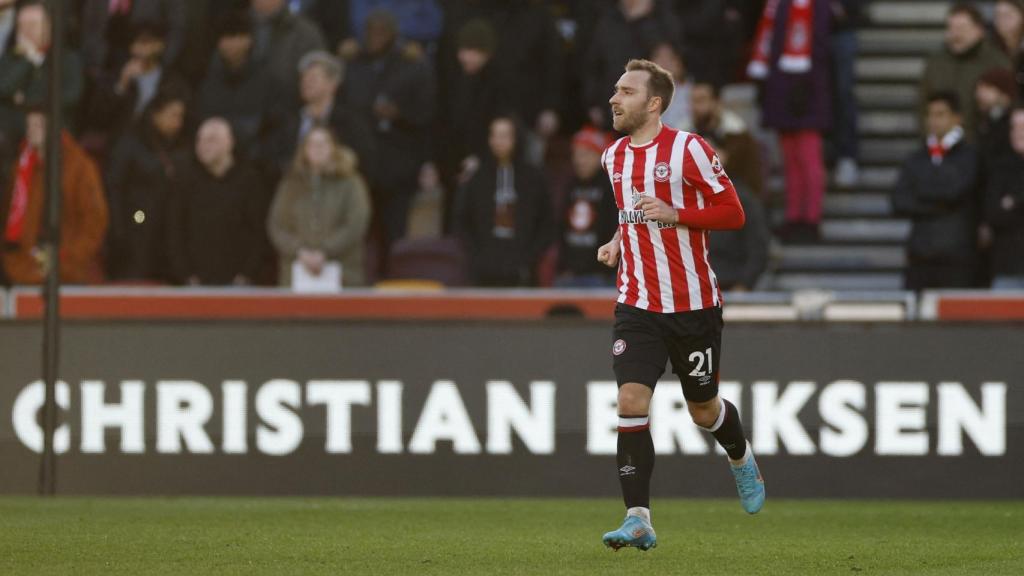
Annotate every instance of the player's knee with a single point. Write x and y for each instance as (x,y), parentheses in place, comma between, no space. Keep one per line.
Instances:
(704,414)
(634,399)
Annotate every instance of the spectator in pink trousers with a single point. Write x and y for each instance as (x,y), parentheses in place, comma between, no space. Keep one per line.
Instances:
(791,56)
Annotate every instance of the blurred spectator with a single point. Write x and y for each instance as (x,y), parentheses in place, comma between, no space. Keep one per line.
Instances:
(321,76)
(846,16)
(23,73)
(139,179)
(108,29)
(280,40)
(630,29)
(741,256)
(418,20)
(737,148)
(473,99)
(967,55)
(83,211)
(797,102)
(1009,27)
(937,190)
(1004,211)
(589,217)
(995,94)
(235,87)
(391,84)
(711,36)
(426,217)
(7,24)
(217,213)
(333,17)
(678,114)
(529,47)
(321,211)
(118,100)
(503,214)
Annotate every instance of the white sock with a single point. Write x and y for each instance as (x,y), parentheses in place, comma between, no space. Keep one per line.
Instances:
(640,511)
(741,461)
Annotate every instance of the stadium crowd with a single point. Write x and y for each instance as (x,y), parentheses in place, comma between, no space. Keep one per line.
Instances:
(263,142)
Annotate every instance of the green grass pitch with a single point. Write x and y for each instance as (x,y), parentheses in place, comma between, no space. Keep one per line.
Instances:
(198,536)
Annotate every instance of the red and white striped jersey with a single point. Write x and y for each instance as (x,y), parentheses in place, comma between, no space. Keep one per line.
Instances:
(665,268)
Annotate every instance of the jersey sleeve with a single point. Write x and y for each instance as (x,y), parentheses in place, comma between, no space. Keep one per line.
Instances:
(703,170)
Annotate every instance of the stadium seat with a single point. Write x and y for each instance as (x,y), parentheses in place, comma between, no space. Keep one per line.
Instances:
(437,259)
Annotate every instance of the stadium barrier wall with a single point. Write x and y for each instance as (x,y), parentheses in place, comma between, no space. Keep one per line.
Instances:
(379,407)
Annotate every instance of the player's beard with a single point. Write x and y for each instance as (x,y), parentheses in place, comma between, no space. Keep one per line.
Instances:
(629,122)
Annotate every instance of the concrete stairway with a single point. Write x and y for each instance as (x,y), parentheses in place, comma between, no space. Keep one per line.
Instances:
(862,243)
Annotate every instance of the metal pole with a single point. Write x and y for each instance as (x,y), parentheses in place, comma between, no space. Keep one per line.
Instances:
(51,249)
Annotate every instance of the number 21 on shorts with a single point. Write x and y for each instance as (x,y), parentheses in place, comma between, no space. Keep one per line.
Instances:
(700,358)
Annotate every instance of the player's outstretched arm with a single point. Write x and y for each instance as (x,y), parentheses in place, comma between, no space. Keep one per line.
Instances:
(724,212)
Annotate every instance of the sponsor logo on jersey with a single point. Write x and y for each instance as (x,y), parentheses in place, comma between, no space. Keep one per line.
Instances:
(637,217)
(716,166)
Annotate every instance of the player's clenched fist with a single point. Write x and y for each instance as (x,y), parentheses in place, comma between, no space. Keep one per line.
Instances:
(657,210)
(608,254)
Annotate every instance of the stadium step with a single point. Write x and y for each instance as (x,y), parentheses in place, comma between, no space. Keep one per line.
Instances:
(830,258)
(878,177)
(887,41)
(857,204)
(853,281)
(864,231)
(887,97)
(887,151)
(907,13)
(905,69)
(888,123)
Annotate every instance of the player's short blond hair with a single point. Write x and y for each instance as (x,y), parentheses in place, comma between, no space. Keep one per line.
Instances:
(659,81)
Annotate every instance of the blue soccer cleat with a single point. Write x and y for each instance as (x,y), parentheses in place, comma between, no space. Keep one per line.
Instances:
(634,533)
(749,483)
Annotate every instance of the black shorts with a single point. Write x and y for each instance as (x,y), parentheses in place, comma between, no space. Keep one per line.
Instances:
(692,341)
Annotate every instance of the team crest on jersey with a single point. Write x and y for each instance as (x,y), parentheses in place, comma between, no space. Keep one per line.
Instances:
(619,347)
(662,172)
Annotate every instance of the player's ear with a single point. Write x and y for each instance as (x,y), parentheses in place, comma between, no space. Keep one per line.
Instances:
(654,104)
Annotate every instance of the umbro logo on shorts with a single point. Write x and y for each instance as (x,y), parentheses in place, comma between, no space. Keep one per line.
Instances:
(626,470)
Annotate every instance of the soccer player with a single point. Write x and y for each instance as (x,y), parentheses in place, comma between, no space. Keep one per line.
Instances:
(671,190)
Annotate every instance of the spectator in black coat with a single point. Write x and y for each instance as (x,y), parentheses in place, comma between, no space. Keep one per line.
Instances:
(1004,210)
(392,84)
(995,94)
(529,47)
(142,168)
(1008,21)
(473,99)
(216,219)
(108,28)
(630,29)
(588,217)
(739,257)
(937,190)
(711,40)
(280,40)
(23,73)
(321,76)
(503,214)
(119,99)
(236,88)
